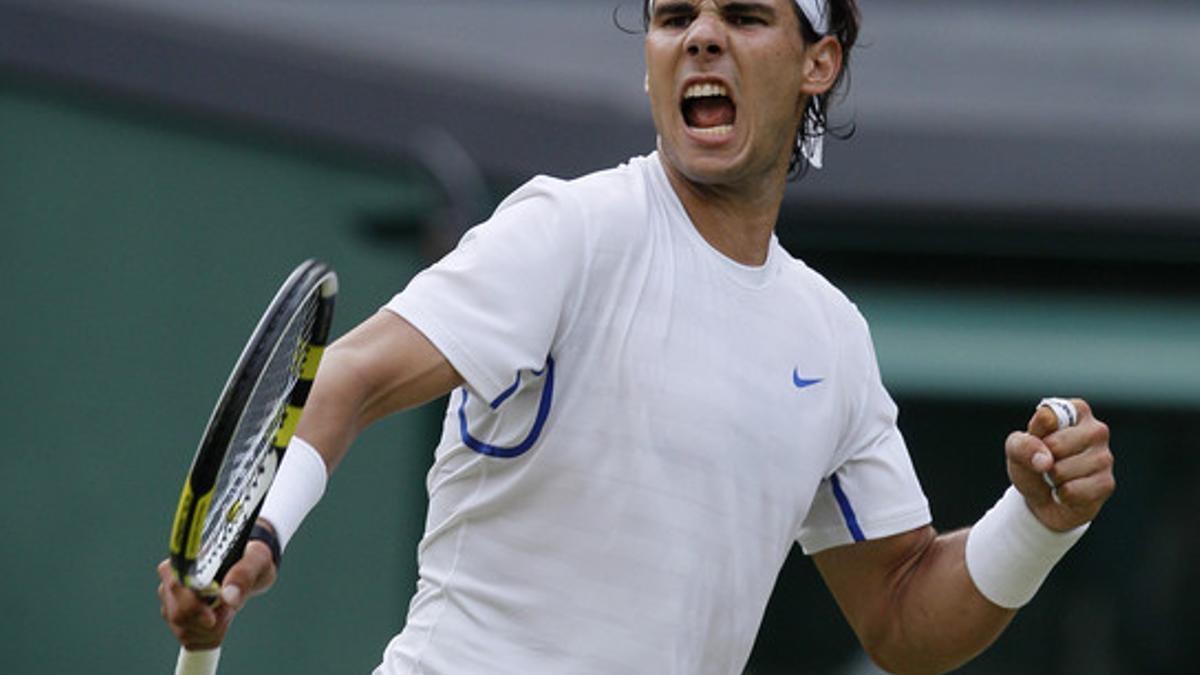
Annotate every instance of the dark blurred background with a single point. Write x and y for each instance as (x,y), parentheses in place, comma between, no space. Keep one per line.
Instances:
(1017,216)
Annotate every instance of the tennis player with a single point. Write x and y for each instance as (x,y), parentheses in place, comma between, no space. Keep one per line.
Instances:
(651,401)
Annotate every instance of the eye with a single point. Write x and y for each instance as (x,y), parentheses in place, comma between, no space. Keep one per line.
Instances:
(743,20)
(679,20)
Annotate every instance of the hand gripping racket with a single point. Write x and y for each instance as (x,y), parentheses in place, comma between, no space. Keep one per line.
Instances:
(246,437)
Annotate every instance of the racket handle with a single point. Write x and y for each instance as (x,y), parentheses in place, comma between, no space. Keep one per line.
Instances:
(199,662)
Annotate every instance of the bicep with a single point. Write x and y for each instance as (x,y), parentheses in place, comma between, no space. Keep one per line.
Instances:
(391,366)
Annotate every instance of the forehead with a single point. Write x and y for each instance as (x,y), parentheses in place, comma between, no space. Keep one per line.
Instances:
(782,8)
(777,4)
(786,10)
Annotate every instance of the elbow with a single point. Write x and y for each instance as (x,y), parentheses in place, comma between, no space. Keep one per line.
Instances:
(885,654)
(894,652)
(907,659)
(895,663)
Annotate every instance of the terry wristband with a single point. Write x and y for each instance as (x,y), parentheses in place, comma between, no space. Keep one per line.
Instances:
(1010,552)
(298,487)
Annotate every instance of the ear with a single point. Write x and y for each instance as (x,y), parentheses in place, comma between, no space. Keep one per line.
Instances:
(822,64)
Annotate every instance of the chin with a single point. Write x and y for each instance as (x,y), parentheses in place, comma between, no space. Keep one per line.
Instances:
(705,166)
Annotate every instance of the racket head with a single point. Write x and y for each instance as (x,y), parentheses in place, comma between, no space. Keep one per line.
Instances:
(250,427)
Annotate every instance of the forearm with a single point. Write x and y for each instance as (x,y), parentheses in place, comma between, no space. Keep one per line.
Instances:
(936,619)
(335,413)
(381,367)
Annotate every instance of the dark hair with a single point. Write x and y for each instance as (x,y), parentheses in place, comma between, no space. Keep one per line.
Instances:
(844,20)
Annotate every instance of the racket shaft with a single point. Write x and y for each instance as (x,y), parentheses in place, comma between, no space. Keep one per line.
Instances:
(199,662)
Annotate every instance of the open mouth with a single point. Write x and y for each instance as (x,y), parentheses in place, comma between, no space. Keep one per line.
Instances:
(708,109)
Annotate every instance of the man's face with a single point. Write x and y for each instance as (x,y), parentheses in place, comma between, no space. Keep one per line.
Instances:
(725,81)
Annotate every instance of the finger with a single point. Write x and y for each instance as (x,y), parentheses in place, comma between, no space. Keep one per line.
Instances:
(1066,413)
(1053,417)
(166,573)
(181,607)
(1095,460)
(1077,440)
(1028,459)
(190,615)
(1089,492)
(1028,452)
(1043,422)
(202,639)
(210,633)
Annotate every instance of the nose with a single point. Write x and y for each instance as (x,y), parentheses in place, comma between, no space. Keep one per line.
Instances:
(706,36)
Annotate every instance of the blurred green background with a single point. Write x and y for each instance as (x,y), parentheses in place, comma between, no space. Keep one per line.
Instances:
(137,257)
(142,239)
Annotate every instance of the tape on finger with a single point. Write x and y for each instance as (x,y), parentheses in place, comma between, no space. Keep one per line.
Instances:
(1063,410)
(1067,416)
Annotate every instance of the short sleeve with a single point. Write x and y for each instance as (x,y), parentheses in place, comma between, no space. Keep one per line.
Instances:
(494,305)
(871,490)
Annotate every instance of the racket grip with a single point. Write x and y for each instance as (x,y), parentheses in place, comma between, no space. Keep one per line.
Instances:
(199,662)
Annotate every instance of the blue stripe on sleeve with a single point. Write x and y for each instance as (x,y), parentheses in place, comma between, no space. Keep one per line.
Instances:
(847,510)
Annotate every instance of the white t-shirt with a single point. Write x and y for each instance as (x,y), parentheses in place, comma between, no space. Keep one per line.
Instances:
(645,430)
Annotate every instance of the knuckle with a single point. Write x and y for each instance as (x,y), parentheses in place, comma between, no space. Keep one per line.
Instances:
(1067,494)
(1082,407)
(1108,484)
(1055,445)
(1018,444)
(1075,494)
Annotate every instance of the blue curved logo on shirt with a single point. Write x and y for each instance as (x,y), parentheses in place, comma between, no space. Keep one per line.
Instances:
(801,382)
(539,421)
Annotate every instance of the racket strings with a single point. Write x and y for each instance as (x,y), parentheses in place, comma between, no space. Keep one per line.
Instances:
(250,463)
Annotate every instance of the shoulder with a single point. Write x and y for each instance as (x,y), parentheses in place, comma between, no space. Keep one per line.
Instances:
(608,189)
(838,310)
(607,210)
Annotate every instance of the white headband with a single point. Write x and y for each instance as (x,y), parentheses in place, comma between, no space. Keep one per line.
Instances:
(812,144)
(816,11)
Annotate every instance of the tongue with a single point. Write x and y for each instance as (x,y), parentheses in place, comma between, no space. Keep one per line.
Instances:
(712,111)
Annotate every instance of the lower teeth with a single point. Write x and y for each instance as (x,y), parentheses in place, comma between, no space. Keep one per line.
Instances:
(714,131)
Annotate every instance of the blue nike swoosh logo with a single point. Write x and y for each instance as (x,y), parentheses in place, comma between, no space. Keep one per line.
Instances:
(801,383)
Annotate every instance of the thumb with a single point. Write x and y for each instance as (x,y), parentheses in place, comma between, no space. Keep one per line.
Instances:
(1028,457)
(231,595)
(252,574)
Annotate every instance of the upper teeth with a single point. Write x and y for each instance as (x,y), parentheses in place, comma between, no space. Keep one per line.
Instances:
(706,89)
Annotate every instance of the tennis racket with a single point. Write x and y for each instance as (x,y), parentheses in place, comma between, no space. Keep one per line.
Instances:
(246,437)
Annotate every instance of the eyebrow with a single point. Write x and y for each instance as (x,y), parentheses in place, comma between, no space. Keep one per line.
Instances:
(672,8)
(678,7)
(748,7)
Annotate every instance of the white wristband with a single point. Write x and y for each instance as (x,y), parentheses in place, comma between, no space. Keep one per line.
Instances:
(1010,552)
(298,487)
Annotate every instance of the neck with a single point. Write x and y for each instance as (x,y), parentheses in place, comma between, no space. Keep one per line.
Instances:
(735,219)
